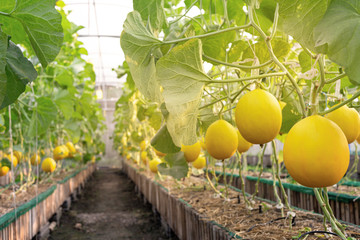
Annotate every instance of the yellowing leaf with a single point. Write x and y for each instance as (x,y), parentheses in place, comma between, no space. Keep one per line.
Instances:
(138,44)
(180,72)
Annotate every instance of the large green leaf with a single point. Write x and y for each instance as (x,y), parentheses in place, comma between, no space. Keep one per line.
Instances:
(43,115)
(338,35)
(40,21)
(237,47)
(155,120)
(141,113)
(2,123)
(290,116)
(138,44)
(5,162)
(65,103)
(206,118)
(265,15)
(298,18)
(181,73)
(3,51)
(280,47)
(162,141)
(291,113)
(305,61)
(86,104)
(236,12)
(73,129)
(152,11)
(175,166)
(136,137)
(7,6)
(19,72)
(215,46)
(64,77)
(210,7)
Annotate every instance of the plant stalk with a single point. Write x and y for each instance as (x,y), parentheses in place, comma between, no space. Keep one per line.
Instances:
(245,78)
(356,95)
(247,202)
(327,214)
(236,65)
(276,61)
(225,178)
(208,34)
(210,182)
(335,78)
(260,173)
(278,176)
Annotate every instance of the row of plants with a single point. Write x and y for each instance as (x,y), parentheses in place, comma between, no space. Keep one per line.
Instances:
(240,73)
(48,109)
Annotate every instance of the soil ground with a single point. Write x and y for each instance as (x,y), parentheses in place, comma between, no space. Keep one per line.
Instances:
(109,209)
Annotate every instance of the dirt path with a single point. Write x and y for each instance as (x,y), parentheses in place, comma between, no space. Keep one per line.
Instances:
(109,209)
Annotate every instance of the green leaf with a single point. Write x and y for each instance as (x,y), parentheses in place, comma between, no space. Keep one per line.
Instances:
(236,50)
(267,9)
(5,162)
(138,44)
(64,101)
(215,46)
(141,113)
(122,70)
(86,104)
(291,113)
(88,138)
(290,116)
(125,97)
(64,77)
(207,117)
(19,72)
(265,15)
(150,109)
(136,137)
(338,36)
(163,142)
(43,115)
(3,50)
(73,129)
(41,22)
(235,11)
(151,10)
(175,166)
(18,147)
(209,6)
(7,6)
(280,47)
(2,121)
(181,73)
(298,18)
(77,66)
(164,111)
(305,61)
(155,120)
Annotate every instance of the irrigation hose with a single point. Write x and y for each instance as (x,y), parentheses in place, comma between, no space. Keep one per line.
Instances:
(313,232)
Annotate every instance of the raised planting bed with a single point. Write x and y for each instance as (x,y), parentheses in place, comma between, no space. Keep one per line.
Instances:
(4,180)
(346,206)
(33,211)
(193,210)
